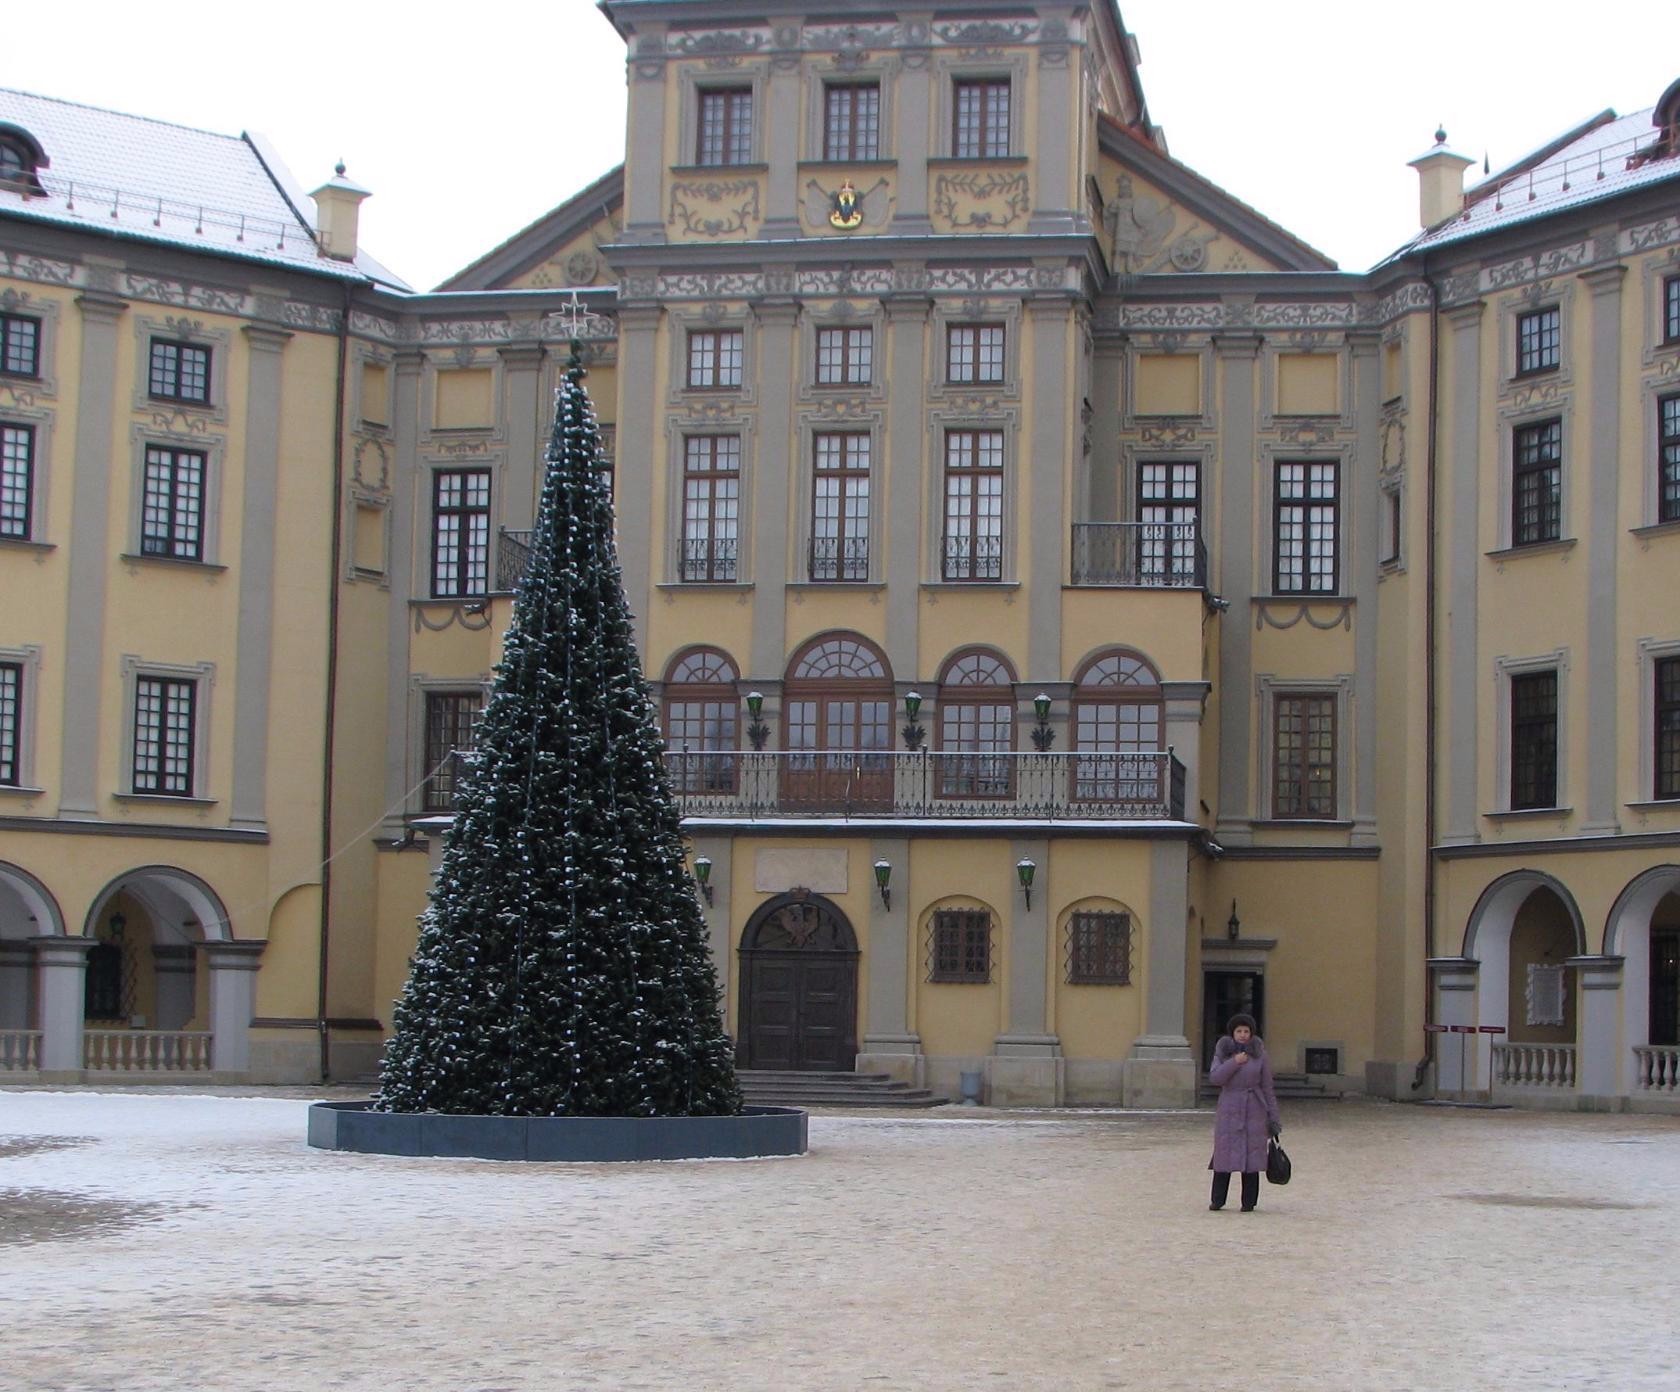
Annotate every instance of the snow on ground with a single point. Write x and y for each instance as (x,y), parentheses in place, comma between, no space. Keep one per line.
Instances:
(166,1242)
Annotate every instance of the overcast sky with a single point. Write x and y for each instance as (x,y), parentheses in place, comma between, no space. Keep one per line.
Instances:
(470,121)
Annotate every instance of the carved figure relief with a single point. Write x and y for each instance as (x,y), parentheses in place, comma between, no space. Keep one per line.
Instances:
(1137,226)
(715,207)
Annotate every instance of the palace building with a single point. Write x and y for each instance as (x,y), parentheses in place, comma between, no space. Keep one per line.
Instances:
(1077,609)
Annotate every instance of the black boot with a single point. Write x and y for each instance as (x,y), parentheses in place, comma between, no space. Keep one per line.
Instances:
(1221,1190)
(1250,1190)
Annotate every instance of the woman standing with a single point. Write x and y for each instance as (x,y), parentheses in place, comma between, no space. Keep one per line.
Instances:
(1247,1113)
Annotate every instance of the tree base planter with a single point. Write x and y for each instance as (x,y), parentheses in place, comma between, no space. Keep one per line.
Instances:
(758,1131)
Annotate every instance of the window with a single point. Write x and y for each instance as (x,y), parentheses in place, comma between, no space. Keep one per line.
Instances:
(1305,522)
(17,480)
(711,507)
(1668,459)
(852,122)
(20,346)
(1099,949)
(460,533)
(164,729)
(1537,483)
(1538,337)
(1169,509)
(1117,711)
(1671,310)
(845,357)
(172,505)
(451,727)
(973,544)
(840,508)
(981,129)
(974,353)
(976,727)
(1534,740)
(179,371)
(11,724)
(714,358)
(960,947)
(15,163)
(700,722)
(837,727)
(1667,783)
(726,133)
(1304,756)
(1392,516)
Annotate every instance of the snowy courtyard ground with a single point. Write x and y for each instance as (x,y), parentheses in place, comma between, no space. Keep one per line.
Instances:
(193,1243)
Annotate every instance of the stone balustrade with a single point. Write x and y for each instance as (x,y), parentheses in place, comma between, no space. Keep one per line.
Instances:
(146,1051)
(1534,1065)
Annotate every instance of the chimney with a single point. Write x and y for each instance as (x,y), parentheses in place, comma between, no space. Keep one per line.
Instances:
(337,211)
(1440,181)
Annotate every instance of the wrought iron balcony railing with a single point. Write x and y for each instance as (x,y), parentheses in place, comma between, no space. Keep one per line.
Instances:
(972,558)
(513,554)
(709,559)
(739,784)
(839,558)
(1155,555)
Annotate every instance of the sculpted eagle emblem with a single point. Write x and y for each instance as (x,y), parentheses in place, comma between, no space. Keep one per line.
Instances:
(845,208)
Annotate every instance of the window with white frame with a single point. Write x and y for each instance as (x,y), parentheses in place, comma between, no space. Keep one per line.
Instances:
(852,121)
(165,735)
(1306,516)
(17,480)
(460,533)
(1668,459)
(1671,310)
(714,358)
(726,126)
(974,353)
(980,118)
(1666,735)
(973,540)
(20,345)
(840,507)
(845,356)
(11,724)
(172,506)
(711,508)
(179,372)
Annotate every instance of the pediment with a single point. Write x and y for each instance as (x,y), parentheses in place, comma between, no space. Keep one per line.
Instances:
(560,250)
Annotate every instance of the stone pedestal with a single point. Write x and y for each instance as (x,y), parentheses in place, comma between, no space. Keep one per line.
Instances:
(233,983)
(63,977)
(1598,1075)
(1025,1072)
(1161,1072)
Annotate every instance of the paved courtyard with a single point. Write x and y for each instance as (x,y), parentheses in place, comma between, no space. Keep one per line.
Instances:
(178,1242)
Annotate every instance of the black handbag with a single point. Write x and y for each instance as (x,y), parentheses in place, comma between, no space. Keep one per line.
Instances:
(1278,1168)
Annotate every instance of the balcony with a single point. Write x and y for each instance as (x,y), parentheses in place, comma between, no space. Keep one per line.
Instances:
(829,784)
(839,558)
(1145,555)
(513,554)
(708,560)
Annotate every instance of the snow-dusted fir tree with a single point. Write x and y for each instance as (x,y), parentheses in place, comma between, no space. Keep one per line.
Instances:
(562,966)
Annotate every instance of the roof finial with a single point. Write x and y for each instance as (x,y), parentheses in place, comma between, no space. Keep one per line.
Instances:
(338,168)
(1440,135)
(1487,168)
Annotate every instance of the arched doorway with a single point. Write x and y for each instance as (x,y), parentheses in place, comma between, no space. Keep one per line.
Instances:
(1644,930)
(27,911)
(799,962)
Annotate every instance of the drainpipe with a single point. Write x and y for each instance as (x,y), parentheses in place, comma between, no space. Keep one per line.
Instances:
(332,685)
(1429,670)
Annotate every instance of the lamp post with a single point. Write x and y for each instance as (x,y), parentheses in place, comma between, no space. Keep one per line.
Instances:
(883,874)
(1024,871)
(703,877)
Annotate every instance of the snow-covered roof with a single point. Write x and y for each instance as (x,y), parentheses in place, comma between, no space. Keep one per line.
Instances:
(135,177)
(1602,158)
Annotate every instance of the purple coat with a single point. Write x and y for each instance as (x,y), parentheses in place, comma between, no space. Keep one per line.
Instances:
(1246,1103)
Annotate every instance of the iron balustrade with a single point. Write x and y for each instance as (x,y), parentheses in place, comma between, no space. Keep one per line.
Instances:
(1153,555)
(1064,787)
(709,559)
(513,555)
(972,558)
(839,558)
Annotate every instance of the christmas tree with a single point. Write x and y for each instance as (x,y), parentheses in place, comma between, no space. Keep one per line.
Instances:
(562,966)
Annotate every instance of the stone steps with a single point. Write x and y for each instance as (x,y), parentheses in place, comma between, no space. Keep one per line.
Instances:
(1290,1087)
(766,1087)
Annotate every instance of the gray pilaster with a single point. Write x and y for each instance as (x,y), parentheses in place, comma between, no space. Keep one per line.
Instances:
(772,481)
(233,994)
(1028,1034)
(174,968)
(84,635)
(641,454)
(410,488)
(1603,467)
(1463,563)
(718,850)
(61,964)
(1098,494)
(1038,484)
(781,149)
(644,159)
(527,436)
(1361,564)
(906,439)
(912,131)
(1056,198)
(1185,702)
(1234,578)
(886,1030)
(265,346)
(1161,1070)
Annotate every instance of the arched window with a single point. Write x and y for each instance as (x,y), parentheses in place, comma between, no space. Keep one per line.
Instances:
(701,726)
(976,726)
(838,698)
(21,156)
(1117,715)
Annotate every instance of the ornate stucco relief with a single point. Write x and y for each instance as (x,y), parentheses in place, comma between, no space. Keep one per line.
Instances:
(981,201)
(715,207)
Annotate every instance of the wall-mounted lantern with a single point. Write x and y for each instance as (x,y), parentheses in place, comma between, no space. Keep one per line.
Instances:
(914,734)
(883,875)
(758,733)
(1024,872)
(1042,736)
(703,877)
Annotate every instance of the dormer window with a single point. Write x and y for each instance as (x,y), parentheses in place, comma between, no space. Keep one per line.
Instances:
(20,156)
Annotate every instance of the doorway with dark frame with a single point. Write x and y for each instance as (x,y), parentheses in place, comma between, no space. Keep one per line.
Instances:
(799,968)
(1227,993)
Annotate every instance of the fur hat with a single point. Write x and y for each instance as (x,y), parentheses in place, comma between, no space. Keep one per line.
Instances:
(1237,1021)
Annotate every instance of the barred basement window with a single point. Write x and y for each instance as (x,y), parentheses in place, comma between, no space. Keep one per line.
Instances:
(20,346)
(179,371)
(172,505)
(165,713)
(1099,949)
(960,947)
(1538,340)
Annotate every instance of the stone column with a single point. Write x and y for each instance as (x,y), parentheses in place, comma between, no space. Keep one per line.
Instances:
(1456,980)
(1462,562)
(1161,1070)
(906,443)
(1602,531)
(1039,488)
(1026,1063)
(641,456)
(174,967)
(233,992)
(889,1044)
(17,984)
(772,477)
(528,418)
(97,392)
(265,387)
(1233,560)
(1598,1069)
(62,963)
